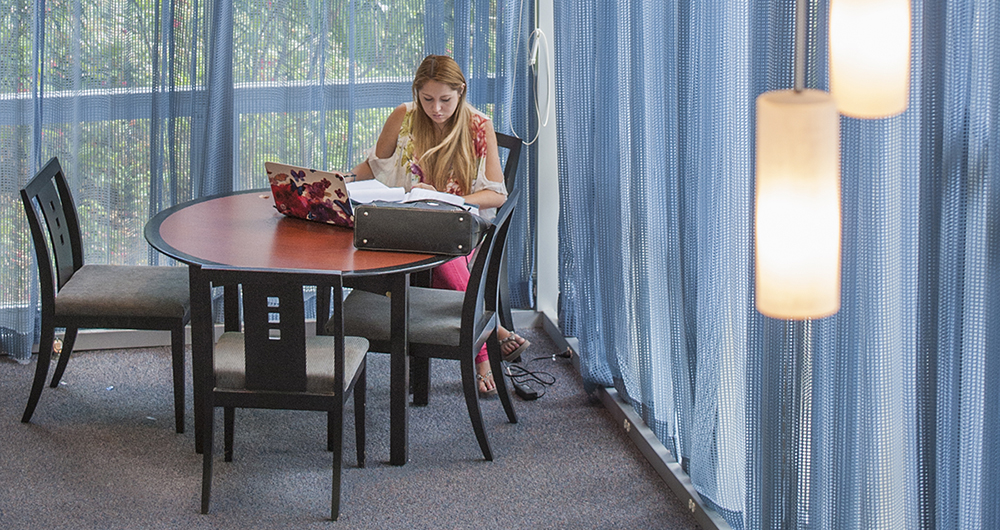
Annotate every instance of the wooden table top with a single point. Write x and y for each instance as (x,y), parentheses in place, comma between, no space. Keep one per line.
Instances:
(244,230)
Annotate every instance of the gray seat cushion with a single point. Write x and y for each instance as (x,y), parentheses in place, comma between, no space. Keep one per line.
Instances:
(435,316)
(129,290)
(230,365)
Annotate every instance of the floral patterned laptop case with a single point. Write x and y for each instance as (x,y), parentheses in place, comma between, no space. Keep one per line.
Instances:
(310,194)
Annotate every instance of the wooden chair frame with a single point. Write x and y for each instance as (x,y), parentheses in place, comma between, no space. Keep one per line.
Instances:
(513,145)
(49,192)
(479,320)
(275,369)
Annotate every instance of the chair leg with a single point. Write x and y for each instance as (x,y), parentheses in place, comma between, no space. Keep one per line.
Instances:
(41,370)
(338,454)
(206,462)
(229,420)
(360,397)
(496,364)
(69,339)
(177,354)
(471,391)
(329,431)
(420,379)
(503,298)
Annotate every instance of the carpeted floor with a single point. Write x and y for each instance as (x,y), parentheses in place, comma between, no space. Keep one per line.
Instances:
(101,453)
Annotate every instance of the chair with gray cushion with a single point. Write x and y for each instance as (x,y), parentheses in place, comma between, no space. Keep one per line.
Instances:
(445,324)
(273,364)
(75,295)
(420,376)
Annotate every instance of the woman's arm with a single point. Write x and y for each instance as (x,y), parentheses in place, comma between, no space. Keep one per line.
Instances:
(486,199)
(386,144)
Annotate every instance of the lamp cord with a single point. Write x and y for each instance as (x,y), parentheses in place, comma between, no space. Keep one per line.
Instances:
(521,375)
(539,47)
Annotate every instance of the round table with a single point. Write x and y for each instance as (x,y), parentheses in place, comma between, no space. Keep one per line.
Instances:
(243,230)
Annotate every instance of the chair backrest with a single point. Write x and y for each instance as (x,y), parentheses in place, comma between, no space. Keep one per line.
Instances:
(274,325)
(513,146)
(481,292)
(49,193)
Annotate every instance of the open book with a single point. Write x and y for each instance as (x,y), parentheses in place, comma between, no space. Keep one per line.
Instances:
(366,191)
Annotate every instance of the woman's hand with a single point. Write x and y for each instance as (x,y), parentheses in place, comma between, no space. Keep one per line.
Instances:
(362,171)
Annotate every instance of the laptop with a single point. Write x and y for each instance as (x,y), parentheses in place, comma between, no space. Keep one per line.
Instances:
(310,194)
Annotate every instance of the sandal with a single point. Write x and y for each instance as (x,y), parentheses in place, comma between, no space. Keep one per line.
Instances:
(516,354)
(481,378)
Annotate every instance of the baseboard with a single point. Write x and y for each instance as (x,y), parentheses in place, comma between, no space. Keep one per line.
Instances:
(117,339)
(526,318)
(642,436)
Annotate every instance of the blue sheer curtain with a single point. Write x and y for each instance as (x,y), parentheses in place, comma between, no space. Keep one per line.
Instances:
(154,103)
(883,416)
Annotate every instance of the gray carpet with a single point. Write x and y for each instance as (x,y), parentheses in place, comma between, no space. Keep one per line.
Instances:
(101,453)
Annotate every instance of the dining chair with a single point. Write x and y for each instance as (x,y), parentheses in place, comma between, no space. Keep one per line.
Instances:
(513,146)
(419,369)
(75,295)
(446,324)
(272,364)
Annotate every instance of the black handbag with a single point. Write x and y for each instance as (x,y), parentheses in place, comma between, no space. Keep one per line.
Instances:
(427,226)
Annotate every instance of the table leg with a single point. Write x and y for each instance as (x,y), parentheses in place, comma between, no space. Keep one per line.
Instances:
(399,371)
(201,347)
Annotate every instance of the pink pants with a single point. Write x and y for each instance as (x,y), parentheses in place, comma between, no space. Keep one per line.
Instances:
(454,275)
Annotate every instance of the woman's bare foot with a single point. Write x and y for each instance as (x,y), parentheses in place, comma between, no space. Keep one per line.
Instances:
(487,386)
(512,345)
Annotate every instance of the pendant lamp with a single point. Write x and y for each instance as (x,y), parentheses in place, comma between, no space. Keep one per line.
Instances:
(798,204)
(870,57)
(797,213)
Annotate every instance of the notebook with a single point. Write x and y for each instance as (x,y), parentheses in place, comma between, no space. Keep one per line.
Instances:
(310,194)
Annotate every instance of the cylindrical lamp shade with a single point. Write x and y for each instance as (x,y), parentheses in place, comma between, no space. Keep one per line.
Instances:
(870,57)
(797,219)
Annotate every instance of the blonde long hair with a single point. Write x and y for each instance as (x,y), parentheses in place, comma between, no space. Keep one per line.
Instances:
(454,155)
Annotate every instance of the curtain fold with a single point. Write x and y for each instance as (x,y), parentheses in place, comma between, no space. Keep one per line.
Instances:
(171,100)
(882,416)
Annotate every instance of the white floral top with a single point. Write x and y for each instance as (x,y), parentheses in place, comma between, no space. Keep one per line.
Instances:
(402,169)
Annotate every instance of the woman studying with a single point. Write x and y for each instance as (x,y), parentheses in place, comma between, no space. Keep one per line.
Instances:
(440,142)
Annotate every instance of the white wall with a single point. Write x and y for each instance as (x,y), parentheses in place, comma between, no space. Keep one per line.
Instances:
(548,184)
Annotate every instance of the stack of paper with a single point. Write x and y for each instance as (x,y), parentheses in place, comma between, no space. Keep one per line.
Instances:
(365,191)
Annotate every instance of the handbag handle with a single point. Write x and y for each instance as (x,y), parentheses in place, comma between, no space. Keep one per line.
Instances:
(435,202)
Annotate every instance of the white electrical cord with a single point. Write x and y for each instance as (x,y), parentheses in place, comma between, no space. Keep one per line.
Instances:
(538,40)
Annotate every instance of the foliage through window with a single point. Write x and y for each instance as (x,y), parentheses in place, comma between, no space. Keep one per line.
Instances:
(135,99)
